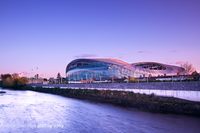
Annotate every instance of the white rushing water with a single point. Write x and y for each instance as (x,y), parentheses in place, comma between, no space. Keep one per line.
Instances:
(188,95)
(183,94)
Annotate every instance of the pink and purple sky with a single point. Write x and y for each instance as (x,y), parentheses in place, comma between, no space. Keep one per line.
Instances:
(43,36)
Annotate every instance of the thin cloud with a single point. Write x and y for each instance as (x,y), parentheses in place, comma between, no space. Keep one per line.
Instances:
(143,52)
(86,56)
(173,51)
(180,62)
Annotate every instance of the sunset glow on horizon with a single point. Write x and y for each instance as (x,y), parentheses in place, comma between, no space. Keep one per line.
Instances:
(43,36)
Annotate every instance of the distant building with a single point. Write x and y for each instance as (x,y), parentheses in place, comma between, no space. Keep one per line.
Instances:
(37,80)
(52,81)
(36,76)
(59,79)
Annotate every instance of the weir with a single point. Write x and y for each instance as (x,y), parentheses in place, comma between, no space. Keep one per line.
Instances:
(183,90)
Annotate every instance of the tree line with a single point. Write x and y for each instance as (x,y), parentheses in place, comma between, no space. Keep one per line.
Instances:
(12,81)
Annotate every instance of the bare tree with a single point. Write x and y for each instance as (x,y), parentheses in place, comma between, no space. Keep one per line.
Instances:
(189,68)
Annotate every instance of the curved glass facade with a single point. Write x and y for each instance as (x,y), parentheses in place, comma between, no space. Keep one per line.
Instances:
(90,70)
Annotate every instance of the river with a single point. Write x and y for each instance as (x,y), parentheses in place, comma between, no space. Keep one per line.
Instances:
(28,111)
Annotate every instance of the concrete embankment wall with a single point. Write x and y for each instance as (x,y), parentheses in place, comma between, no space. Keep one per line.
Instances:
(192,85)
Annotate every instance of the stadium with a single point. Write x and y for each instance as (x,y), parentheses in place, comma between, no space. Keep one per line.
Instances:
(109,70)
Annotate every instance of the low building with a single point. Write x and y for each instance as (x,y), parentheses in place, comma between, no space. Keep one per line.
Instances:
(34,81)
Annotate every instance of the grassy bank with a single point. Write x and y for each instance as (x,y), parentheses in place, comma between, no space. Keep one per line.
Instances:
(143,102)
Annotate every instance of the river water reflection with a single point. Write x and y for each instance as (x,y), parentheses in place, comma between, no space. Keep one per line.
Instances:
(27,111)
